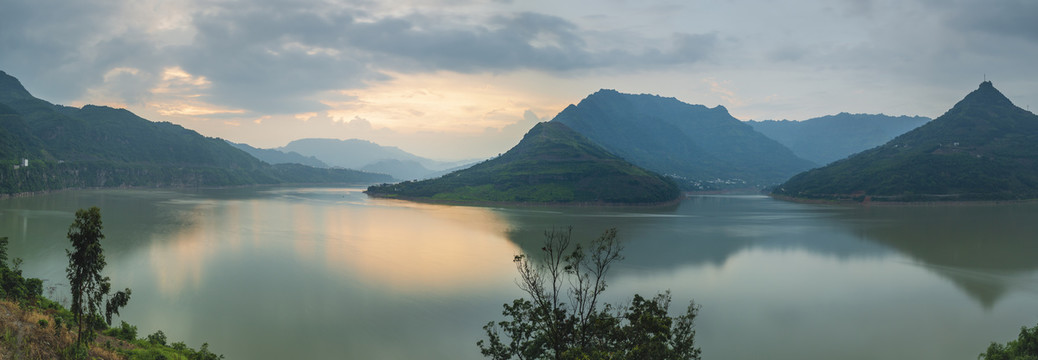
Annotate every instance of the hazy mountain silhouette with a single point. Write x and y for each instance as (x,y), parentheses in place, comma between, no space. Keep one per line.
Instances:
(834,137)
(274,156)
(368,156)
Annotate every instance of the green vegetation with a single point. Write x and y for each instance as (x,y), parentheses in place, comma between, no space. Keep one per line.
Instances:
(97,146)
(829,138)
(89,288)
(546,326)
(705,148)
(154,346)
(551,165)
(13,286)
(34,327)
(981,149)
(1025,347)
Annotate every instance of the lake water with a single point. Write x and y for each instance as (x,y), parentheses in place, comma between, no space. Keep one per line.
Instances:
(326,273)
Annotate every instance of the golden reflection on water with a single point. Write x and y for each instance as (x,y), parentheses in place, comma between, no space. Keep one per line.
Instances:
(178,262)
(402,246)
(416,247)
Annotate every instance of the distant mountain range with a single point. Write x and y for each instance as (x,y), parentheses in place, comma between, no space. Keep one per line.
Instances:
(984,148)
(551,165)
(829,138)
(98,146)
(704,148)
(274,156)
(371,157)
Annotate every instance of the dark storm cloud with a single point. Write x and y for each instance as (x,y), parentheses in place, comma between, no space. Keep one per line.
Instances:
(269,61)
(56,43)
(274,56)
(1013,18)
(271,58)
(525,40)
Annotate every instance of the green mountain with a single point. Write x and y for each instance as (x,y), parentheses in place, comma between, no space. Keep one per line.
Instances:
(704,147)
(984,148)
(829,138)
(98,146)
(16,141)
(551,165)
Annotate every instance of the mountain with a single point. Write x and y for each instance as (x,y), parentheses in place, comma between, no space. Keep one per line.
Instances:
(369,156)
(705,147)
(274,156)
(984,148)
(351,153)
(399,169)
(16,141)
(829,138)
(99,146)
(551,165)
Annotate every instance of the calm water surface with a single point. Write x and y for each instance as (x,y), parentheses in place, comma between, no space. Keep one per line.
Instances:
(321,273)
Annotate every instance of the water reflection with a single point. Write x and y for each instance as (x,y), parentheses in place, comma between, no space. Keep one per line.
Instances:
(403,247)
(702,231)
(985,250)
(418,247)
(344,276)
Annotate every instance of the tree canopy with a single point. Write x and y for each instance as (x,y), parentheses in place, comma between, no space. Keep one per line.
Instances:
(563,317)
(89,287)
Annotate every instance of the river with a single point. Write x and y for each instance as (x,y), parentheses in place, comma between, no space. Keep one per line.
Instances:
(327,273)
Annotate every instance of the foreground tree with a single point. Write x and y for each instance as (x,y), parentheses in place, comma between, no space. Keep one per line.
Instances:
(13,286)
(1025,347)
(562,317)
(89,288)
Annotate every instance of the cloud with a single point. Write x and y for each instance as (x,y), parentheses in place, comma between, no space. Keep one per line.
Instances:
(278,57)
(415,65)
(1015,19)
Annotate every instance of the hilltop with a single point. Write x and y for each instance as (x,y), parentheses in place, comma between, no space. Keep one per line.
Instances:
(704,147)
(552,164)
(983,148)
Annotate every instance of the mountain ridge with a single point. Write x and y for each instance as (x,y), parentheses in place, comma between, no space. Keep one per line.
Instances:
(366,155)
(825,139)
(551,165)
(101,146)
(983,148)
(691,142)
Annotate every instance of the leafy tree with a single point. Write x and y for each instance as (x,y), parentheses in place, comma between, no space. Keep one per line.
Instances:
(562,317)
(1025,347)
(13,285)
(89,287)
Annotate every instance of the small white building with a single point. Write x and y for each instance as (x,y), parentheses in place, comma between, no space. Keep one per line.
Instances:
(25,162)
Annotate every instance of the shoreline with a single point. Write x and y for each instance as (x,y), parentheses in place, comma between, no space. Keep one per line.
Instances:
(673,202)
(869,202)
(214,187)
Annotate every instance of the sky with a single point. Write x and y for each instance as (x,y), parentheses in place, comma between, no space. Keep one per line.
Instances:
(464,79)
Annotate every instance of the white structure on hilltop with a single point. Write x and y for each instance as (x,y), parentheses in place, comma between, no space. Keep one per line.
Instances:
(25,162)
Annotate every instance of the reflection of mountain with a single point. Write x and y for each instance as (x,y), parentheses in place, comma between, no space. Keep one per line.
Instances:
(702,230)
(980,248)
(983,250)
